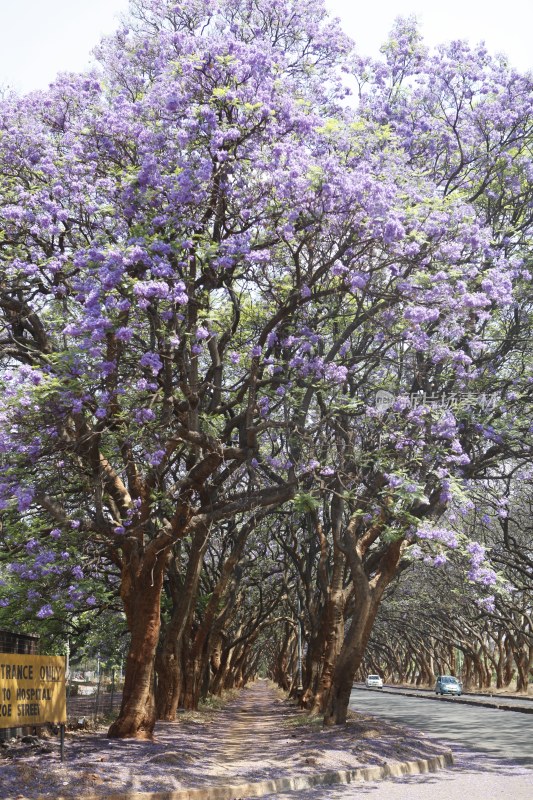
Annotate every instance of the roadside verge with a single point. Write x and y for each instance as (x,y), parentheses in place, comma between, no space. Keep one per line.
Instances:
(242,791)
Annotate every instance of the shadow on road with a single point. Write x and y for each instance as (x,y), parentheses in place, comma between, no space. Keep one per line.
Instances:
(497,734)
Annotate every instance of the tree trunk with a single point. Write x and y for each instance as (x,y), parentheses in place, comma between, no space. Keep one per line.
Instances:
(169,659)
(220,675)
(523,659)
(192,682)
(367,597)
(508,669)
(136,719)
(313,665)
(333,622)
(169,673)
(348,662)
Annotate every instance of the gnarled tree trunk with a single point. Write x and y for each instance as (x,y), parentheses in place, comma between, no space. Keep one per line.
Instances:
(367,597)
(170,658)
(333,622)
(142,598)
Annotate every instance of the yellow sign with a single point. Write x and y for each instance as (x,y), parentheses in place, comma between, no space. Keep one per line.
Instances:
(32,690)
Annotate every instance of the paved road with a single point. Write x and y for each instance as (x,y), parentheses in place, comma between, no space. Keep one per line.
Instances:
(474,777)
(524,702)
(493,753)
(486,730)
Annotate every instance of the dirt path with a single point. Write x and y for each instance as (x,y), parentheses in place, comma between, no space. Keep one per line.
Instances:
(252,728)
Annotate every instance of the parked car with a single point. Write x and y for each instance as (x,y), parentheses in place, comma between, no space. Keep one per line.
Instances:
(375,681)
(448,684)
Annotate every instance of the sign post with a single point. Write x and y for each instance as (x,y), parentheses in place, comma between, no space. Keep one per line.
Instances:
(33,691)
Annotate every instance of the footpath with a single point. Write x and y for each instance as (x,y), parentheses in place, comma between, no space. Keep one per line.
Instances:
(259,744)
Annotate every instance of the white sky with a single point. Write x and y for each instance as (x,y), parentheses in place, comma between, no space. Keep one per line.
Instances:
(43,37)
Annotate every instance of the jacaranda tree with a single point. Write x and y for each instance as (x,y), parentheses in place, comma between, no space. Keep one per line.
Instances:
(210,259)
(146,212)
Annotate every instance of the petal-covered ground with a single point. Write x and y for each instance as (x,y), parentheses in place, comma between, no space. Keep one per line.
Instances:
(257,735)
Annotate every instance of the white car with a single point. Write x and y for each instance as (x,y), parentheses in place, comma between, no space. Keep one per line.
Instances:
(375,681)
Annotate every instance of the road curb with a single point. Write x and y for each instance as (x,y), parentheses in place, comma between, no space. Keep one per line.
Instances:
(241,791)
(464,700)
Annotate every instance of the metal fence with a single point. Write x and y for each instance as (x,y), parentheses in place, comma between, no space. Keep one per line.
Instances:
(92,699)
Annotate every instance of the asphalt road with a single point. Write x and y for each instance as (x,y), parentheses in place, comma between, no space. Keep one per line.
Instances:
(474,777)
(486,730)
(492,749)
(501,699)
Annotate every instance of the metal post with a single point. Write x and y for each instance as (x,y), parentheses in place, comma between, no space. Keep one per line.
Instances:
(112,689)
(96,708)
(62,741)
(299,627)
(67,660)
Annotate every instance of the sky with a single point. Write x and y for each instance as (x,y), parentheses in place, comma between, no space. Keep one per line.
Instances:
(43,37)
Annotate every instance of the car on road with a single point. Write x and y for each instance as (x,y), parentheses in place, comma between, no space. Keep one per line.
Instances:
(374,681)
(448,684)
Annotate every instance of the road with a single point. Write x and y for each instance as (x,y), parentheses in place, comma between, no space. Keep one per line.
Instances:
(493,752)
(486,730)
(470,697)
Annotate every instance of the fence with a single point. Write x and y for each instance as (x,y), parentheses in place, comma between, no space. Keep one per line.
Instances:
(94,697)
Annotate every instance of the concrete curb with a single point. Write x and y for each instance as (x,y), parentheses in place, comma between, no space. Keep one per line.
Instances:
(462,699)
(244,790)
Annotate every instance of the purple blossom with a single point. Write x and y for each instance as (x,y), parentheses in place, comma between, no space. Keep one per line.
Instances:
(143,415)
(264,405)
(45,611)
(156,457)
(436,534)
(421,314)
(338,269)
(394,481)
(124,334)
(483,575)
(487,603)
(477,553)
(356,280)
(45,557)
(152,362)
(24,499)
(336,374)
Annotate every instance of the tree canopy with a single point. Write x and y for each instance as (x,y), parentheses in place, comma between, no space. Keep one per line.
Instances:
(230,283)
